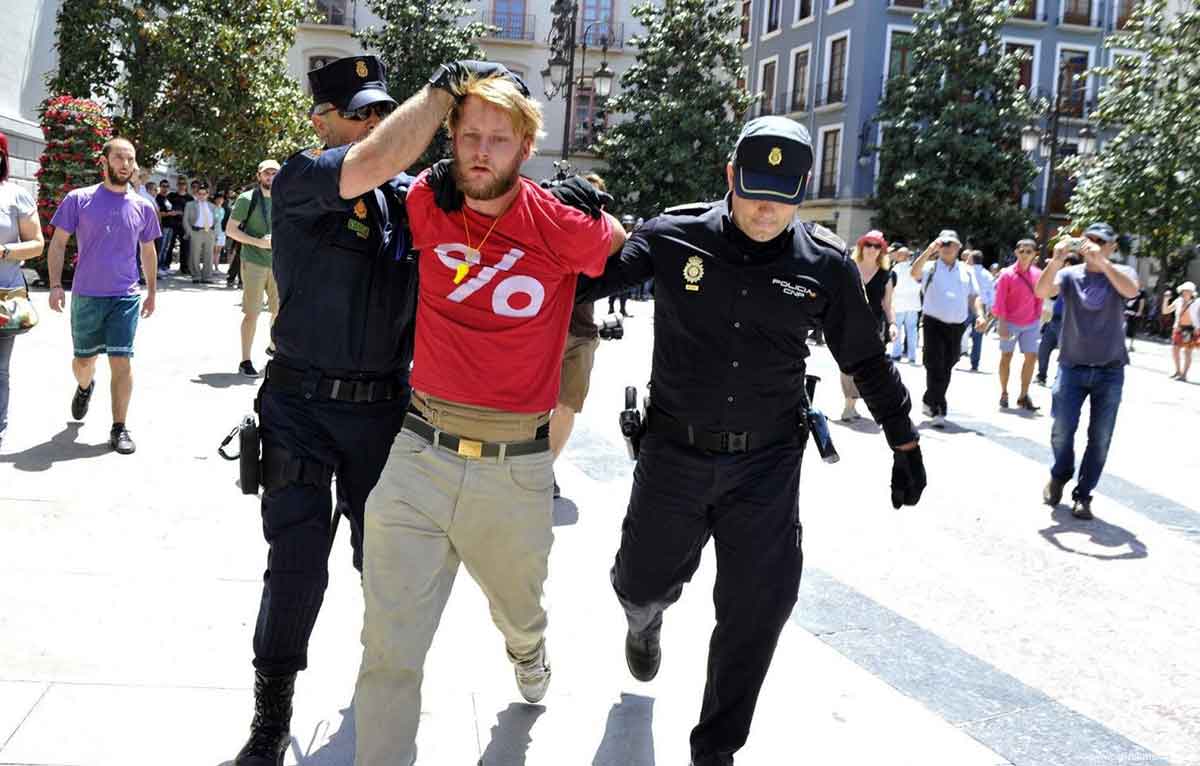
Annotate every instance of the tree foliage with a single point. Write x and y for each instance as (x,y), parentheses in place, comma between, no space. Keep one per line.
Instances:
(683,108)
(75,131)
(204,82)
(1145,179)
(950,154)
(414,39)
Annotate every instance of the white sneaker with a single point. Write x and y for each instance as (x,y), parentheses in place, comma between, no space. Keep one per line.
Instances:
(533,676)
(939,421)
(850,414)
(926,410)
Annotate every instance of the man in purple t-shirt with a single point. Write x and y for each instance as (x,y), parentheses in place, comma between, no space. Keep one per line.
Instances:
(113,226)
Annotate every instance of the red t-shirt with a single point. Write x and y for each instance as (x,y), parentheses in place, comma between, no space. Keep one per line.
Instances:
(495,337)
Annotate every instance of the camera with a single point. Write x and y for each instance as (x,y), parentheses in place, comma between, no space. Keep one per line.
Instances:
(611,328)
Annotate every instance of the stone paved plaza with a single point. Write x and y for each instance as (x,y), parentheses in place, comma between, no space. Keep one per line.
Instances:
(980,628)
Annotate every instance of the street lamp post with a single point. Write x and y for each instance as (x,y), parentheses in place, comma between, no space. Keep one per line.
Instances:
(559,75)
(1047,144)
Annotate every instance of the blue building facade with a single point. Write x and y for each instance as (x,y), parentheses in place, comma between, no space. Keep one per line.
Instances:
(826,63)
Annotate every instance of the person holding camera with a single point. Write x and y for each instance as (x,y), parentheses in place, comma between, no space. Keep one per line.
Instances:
(1091,357)
(1185,332)
(952,298)
(738,285)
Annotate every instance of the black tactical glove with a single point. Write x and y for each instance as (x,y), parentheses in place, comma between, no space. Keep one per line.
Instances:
(451,77)
(908,477)
(581,195)
(445,192)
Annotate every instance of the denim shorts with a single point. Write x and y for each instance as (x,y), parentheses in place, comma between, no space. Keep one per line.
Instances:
(104,325)
(1027,335)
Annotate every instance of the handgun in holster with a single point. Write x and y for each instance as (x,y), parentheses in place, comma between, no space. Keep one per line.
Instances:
(633,421)
(818,424)
(249,454)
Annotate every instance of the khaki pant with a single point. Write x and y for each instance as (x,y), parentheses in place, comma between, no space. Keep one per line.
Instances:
(431,510)
(200,254)
(257,281)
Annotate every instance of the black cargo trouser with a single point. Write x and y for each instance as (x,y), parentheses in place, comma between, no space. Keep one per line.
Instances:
(352,439)
(943,345)
(748,503)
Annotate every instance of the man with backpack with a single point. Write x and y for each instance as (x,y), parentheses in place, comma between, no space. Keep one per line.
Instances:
(951,299)
(1018,312)
(250,225)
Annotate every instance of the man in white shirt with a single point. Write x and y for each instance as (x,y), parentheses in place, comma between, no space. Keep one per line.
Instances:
(199,220)
(951,298)
(906,303)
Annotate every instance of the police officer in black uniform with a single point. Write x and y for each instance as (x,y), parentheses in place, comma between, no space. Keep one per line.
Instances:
(738,284)
(335,394)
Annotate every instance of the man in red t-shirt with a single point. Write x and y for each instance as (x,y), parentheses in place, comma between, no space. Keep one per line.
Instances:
(470,477)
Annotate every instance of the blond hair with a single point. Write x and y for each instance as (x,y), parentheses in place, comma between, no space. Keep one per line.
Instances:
(883,260)
(596,181)
(524,112)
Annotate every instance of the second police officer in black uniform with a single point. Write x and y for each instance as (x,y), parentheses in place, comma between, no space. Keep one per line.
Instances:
(336,391)
(738,284)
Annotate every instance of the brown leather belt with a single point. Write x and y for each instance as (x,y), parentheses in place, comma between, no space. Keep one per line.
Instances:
(471,448)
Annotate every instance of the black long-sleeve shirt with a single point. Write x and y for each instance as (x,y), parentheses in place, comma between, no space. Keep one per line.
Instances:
(732,315)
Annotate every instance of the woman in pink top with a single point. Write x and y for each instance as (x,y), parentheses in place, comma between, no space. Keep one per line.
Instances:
(1018,311)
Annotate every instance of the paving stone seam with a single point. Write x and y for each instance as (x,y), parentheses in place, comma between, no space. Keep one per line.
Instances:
(28,713)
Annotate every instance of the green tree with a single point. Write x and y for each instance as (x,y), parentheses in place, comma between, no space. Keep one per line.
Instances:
(1144,180)
(683,110)
(414,39)
(204,82)
(950,154)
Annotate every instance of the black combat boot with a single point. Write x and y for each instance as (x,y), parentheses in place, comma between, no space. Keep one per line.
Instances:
(269,735)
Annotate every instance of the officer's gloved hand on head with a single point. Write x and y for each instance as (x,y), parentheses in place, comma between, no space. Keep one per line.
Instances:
(445,192)
(451,77)
(581,195)
(908,476)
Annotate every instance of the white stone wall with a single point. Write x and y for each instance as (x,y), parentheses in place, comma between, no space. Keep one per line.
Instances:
(26,56)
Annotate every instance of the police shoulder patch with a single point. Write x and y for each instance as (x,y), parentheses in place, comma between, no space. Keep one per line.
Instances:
(827,237)
(690,208)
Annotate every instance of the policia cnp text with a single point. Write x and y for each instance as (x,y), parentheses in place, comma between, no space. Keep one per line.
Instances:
(335,394)
(738,285)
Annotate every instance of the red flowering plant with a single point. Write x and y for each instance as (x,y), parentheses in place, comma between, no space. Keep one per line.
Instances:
(75,130)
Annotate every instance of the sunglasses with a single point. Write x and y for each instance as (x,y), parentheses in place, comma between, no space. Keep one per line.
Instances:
(381,108)
(871,246)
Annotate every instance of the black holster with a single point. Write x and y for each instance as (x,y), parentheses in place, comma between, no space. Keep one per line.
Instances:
(249,454)
(632,422)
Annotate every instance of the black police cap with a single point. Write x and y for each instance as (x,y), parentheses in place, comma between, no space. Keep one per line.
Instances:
(772,160)
(350,83)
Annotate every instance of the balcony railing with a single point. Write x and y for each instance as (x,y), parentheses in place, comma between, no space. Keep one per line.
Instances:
(826,190)
(800,101)
(907,4)
(769,105)
(510,26)
(831,92)
(595,34)
(1077,12)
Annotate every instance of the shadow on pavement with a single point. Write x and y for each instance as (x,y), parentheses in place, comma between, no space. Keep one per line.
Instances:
(61,448)
(628,734)
(862,425)
(510,735)
(949,428)
(337,751)
(225,379)
(1100,532)
(566,512)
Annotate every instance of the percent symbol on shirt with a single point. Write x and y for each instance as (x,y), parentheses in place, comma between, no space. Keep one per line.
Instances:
(505,290)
